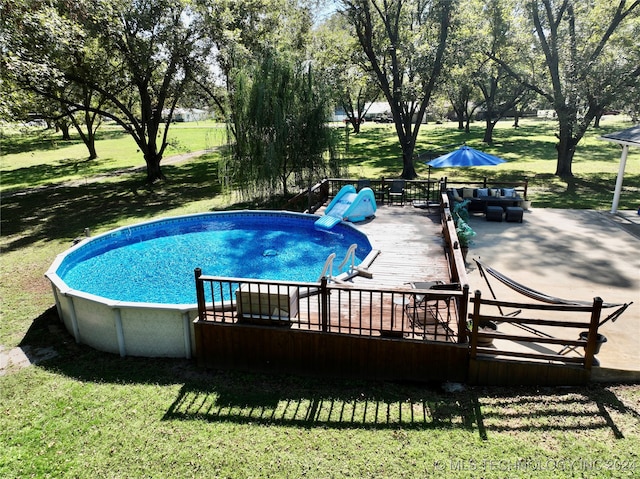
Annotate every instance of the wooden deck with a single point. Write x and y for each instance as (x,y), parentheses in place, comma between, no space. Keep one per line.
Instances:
(367,334)
(363,336)
(410,243)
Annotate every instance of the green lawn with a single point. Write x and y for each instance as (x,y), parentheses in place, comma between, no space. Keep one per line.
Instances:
(42,158)
(89,414)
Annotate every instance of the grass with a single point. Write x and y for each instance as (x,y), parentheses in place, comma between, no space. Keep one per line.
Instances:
(40,157)
(88,414)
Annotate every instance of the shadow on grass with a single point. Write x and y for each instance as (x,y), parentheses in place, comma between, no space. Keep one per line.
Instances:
(51,173)
(319,402)
(588,191)
(48,140)
(63,212)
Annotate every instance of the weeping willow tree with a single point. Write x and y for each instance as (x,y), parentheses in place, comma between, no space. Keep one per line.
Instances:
(280,124)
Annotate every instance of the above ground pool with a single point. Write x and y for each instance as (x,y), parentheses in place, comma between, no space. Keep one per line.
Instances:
(143,273)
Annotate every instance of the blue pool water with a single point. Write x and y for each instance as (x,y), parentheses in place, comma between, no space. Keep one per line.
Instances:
(154,262)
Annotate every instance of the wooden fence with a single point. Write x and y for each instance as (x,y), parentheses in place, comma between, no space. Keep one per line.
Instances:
(535,361)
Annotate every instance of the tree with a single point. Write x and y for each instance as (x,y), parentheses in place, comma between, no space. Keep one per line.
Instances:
(243,32)
(135,57)
(280,125)
(342,65)
(500,92)
(41,38)
(464,53)
(575,39)
(404,42)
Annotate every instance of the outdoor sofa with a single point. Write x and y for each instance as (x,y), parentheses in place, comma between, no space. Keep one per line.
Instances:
(480,198)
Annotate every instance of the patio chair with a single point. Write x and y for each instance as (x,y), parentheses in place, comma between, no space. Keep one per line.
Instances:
(362,183)
(378,191)
(396,192)
(426,314)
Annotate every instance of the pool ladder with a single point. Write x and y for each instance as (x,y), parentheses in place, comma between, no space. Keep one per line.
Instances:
(328,264)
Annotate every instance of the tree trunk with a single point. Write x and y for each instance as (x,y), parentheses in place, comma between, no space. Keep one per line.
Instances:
(405,135)
(488,131)
(89,138)
(566,147)
(91,146)
(516,118)
(355,122)
(596,121)
(154,172)
(460,117)
(408,169)
(64,128)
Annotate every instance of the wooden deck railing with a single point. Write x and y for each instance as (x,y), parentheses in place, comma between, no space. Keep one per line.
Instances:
(417,314)
(531,334)
(453,252)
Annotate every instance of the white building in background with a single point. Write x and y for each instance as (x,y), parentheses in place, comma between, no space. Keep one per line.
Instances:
(190,114)
(379,109)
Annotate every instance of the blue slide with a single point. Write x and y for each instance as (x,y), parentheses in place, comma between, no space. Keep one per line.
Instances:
(348,206)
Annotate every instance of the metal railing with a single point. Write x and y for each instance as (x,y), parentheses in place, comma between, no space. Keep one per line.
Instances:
(417,314)
(416,191)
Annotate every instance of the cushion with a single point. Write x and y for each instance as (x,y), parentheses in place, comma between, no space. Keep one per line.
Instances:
(456,195)
(509,192)
(495,192)
(467,192)
(483,192)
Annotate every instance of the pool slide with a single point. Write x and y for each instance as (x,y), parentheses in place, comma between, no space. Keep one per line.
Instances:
(348,206)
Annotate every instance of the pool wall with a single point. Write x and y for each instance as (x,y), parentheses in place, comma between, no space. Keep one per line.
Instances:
(132,328)
(127,329)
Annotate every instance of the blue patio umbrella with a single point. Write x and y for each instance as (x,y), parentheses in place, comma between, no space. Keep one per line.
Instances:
(465,156)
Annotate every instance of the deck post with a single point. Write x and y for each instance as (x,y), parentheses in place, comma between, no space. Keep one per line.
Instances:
(462,315)
(324,307)
(593,333)
(200,294)
(475,320)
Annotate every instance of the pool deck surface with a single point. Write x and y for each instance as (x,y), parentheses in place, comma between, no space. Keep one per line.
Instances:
(572,254)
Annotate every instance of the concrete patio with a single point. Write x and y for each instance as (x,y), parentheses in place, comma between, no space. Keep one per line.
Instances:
(572,254)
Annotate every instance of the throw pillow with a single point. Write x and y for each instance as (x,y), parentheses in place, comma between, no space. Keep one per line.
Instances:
(467,192)
(456,195)
(495,192)
(483,192)
(509,192)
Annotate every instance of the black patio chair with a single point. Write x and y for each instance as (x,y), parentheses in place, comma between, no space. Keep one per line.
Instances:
(396,192)
(363,184)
